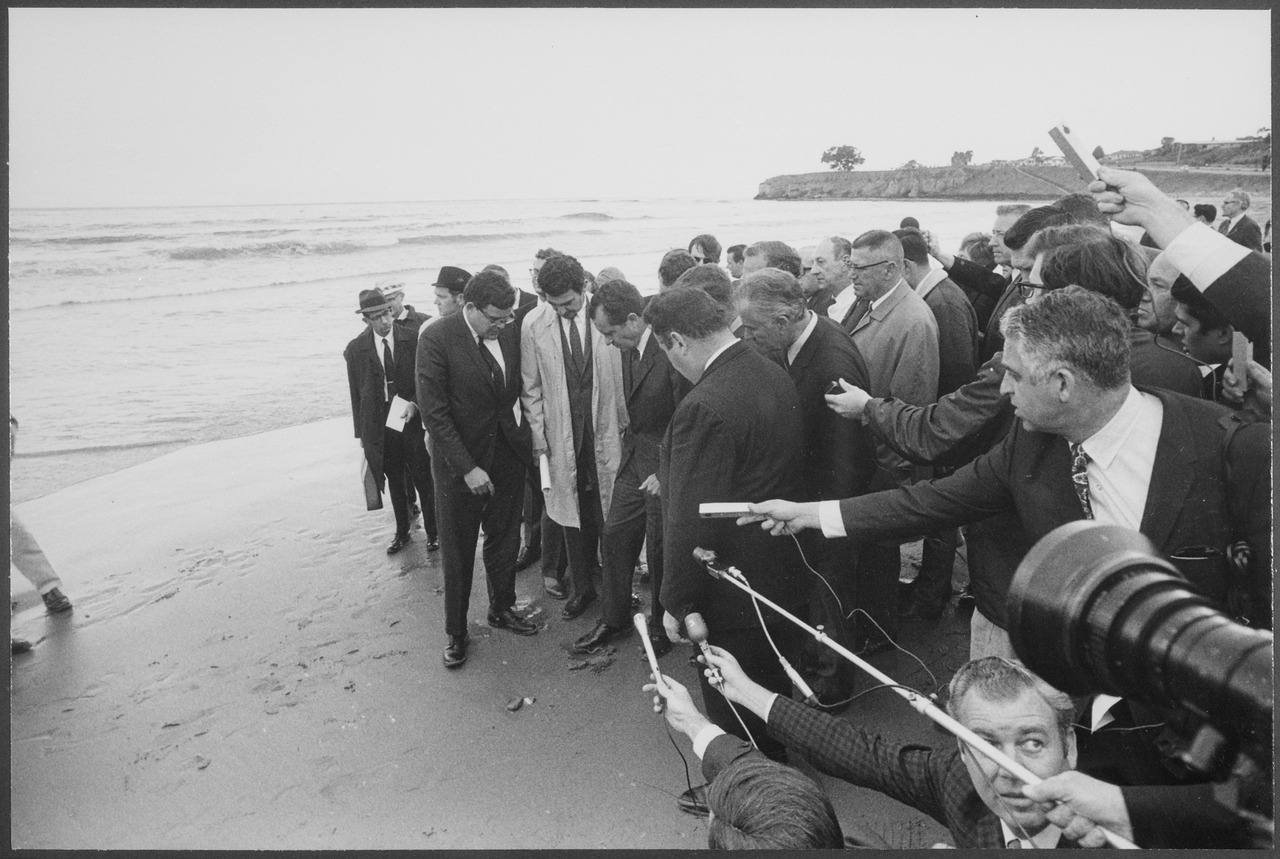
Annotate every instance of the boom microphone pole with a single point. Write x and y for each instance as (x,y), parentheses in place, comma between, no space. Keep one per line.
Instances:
(918,702)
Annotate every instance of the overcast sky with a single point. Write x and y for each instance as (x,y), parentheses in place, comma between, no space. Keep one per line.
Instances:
(224,106)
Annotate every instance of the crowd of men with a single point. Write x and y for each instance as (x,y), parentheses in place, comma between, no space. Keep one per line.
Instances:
(861,393)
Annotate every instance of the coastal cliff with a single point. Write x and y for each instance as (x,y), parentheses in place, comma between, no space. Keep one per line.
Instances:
(987,182)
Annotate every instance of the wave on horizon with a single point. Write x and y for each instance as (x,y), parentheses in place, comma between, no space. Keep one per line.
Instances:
(268,249)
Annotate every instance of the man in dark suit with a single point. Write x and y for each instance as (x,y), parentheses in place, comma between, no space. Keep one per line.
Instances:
(983,286)
(733,437)
(469,391)
(1088,446)
(1238,226)
(412,320)
(838,456)
(977,801)
(380,367)
(652,389)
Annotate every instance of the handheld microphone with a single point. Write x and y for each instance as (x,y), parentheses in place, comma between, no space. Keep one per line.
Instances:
(697,632)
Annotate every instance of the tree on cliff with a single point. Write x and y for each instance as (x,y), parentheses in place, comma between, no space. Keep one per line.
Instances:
(843,157)
(962,159)
(913,164)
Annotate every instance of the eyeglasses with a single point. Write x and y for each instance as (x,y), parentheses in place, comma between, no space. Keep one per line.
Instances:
(1027,289)
(500,320)
(870,265)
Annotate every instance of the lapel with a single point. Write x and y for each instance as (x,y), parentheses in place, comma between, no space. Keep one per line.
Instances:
(370,343)
(467,343)
(1171,473)
(643,366)
(723,358)
(884,308)
(806,354)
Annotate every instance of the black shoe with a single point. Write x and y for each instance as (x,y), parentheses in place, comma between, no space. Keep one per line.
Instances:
(56,601)
(555,590)
(19,645)
(433,544)
(920,610)
(694,801)
(599,636)
(508,619)
(966,601)
(576,606)
(398,543)
(661,644)
(527,556)
(455,652)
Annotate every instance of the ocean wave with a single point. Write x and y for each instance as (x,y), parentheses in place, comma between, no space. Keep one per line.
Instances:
(268,249)
(36,454)
(589,216)
(475,237)
(88,240)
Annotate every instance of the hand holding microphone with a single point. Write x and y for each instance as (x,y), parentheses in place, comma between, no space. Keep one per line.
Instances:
(696,628)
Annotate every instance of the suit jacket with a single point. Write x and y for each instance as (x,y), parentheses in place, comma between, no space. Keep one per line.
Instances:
(463,410)
(732,438)
(957,335)
(1153,366)
(368,393)
(820,301)
(992,339)
(932,780)
(839,457)
(545,400)
(1030,473)
(1246,232)
(655,389)
(982,286)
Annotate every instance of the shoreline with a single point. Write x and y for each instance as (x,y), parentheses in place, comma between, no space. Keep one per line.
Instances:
(246,668)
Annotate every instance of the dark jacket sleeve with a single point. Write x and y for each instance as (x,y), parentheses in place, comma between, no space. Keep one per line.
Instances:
(969,275)
(952,431)
(435,405)
(723,751)
(1181,816)
(353,381)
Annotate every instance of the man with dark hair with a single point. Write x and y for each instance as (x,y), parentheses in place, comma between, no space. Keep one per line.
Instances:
(771,255)
(1238,226)
(835,297)
(1206,336)
(705,249)
(573,401)
(525,301)
(652,389)
(759,804)
(734,259)
(448,289)
(468,390)
(380,374)
(734,436)
(715,282)
(1206,213)
(674,263)
(838,458)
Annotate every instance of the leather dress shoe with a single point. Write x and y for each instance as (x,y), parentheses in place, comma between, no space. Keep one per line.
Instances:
(576,606)
(455,652)
(527,555)
(554,589)
(433,543)
(398,543)
(56,601)
(508,619)
(694,801)
(661,644)
(19,645)
(920,610)
(599,636)
(966,601)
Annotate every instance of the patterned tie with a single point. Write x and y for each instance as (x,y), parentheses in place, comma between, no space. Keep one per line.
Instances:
(1080,477)
(388,369)
(496,377)
(575,340)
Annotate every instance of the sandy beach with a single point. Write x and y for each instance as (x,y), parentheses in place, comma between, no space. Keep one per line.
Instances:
(246,668)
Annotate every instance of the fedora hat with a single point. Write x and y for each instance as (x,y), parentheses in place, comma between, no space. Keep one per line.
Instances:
(453,278)
(372,301)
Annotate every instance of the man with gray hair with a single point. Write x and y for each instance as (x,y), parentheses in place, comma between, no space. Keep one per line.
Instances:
(1238,226)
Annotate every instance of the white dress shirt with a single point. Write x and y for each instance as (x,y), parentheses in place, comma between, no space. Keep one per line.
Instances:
(840,307)
(1121,456)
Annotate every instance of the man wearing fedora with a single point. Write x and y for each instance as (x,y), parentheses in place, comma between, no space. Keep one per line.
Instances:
(448,289)
(380,366)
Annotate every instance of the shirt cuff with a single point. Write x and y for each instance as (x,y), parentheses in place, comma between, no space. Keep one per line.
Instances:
(830,519)
(1203,254)
(708,733)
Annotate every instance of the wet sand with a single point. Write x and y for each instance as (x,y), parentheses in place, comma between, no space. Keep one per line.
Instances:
(246,668)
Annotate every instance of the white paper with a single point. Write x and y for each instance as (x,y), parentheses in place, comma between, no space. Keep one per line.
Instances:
(395,416)
(544,469)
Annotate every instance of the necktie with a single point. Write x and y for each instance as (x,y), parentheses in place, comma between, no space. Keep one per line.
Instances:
(388,369)
(859,310)
(1080,477)
(496,377)
(575,340)
(1222,228)
(629,369)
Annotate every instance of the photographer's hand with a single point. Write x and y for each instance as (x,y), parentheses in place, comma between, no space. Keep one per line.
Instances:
(1083,805)
(1131,198)
(782,517)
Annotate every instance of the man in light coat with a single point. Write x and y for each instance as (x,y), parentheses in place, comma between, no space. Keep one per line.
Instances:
(573,400)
